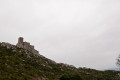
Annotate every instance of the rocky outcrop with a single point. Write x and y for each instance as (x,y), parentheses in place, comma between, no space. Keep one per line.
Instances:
(21,44)
(15,48)
(8,45)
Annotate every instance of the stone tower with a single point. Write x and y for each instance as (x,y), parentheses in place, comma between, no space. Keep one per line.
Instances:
(20,42)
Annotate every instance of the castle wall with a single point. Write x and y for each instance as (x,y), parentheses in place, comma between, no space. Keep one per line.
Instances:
(26,45)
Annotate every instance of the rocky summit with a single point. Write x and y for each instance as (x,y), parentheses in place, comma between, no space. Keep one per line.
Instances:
(23,62)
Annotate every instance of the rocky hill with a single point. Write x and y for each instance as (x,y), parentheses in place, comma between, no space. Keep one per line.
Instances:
(18,63)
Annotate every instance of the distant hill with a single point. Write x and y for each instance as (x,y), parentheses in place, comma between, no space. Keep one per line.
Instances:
(21,64)
(115,69)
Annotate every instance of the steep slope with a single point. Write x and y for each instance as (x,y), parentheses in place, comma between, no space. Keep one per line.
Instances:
(20,64)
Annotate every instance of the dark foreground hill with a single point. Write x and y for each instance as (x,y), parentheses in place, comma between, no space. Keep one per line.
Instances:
(20,64)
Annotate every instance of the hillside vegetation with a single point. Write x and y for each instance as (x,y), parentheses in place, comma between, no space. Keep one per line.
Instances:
(20,64)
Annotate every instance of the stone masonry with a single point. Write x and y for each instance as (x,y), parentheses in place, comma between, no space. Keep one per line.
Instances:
(26,45)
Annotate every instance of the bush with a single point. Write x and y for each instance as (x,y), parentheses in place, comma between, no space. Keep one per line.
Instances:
(69,76)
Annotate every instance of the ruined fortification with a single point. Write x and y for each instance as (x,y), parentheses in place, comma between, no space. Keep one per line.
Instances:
(26,45)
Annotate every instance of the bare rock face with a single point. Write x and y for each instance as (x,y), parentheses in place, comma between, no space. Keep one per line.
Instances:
(26,45)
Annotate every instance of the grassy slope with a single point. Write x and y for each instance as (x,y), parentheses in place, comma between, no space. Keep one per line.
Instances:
(16,64)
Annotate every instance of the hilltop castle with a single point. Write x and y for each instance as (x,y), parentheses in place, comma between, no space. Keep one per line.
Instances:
(26,45)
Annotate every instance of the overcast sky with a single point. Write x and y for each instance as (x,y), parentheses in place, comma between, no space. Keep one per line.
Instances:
(83,33)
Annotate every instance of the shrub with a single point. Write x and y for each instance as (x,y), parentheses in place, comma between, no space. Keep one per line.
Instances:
(69,76)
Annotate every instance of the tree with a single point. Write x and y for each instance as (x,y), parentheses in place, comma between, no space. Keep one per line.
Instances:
(118,61)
